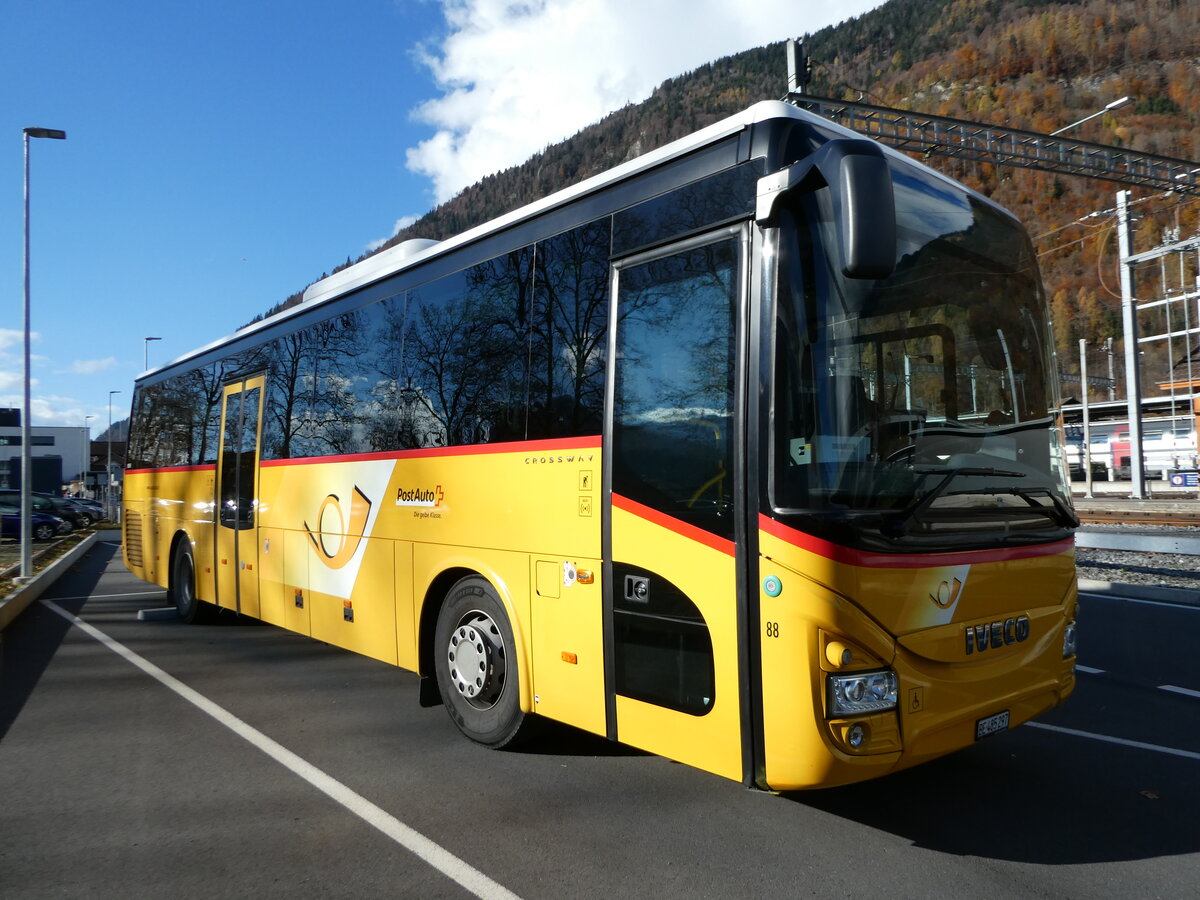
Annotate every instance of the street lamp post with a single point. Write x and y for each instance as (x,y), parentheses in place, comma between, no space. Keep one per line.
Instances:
(87,450)
(146,351)
(1108,108)
(108,465)
(26,434)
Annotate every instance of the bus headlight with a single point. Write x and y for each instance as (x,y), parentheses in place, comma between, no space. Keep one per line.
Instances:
(862,692)
(1069,640)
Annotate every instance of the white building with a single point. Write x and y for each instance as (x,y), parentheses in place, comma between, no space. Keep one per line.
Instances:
(61,455)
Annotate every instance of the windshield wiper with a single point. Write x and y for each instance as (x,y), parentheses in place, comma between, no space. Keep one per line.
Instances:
(897,525)
(1058,511)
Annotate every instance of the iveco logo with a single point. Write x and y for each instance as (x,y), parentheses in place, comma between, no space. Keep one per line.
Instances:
(996,634)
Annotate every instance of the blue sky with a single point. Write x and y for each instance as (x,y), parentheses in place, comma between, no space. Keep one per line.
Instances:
(223,154)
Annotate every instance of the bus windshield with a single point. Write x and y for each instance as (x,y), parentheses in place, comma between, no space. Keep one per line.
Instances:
(921,409)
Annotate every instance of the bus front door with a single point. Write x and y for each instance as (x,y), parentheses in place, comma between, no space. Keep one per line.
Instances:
(236,547)
(671,601)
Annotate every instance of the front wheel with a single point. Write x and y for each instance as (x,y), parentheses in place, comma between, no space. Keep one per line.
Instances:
(476,665)
(183,585)
(43,531)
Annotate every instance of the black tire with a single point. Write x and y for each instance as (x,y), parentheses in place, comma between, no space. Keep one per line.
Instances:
(183,585)
(476,664)
(44,532)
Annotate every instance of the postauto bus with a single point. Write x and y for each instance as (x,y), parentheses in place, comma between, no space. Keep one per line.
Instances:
(747,452)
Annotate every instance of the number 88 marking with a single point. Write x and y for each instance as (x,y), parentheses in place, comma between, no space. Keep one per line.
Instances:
(772,629)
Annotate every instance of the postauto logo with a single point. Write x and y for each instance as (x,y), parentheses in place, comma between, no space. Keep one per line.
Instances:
(420,496)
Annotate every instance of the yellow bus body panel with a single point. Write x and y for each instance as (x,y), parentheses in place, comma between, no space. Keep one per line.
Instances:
(163,505)
(568,641)
(943,690)
(707,576)
(348,549)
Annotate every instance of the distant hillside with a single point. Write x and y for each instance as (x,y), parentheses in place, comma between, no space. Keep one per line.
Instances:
(1031,64)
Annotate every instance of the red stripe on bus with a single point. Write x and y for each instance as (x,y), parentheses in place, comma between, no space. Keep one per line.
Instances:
(591,442)
(691,532)
(549,446)
(207,467)
(849,555)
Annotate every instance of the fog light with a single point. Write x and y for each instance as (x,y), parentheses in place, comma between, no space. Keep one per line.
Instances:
(856,735)
(1069,640)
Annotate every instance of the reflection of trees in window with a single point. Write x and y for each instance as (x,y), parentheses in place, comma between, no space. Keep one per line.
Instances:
(386,409)
(282,416)
(333,425)
(673,398)
(722,197)
(466,348)
(312,409)
(568,333)
(684,353)
(176,420)
(477,356)
(205,389)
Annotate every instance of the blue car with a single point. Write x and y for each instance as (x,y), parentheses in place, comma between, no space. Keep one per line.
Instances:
(44,527)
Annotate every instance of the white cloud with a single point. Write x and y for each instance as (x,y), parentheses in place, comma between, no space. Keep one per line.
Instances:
(517,76)
(10,337)
(62,411)
(92,366)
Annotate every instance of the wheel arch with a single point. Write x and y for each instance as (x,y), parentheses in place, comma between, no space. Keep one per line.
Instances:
(434,597)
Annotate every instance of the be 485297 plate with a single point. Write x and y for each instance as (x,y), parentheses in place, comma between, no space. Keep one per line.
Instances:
(991,725)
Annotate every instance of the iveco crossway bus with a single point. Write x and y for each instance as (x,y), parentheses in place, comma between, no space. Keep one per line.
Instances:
(747,452)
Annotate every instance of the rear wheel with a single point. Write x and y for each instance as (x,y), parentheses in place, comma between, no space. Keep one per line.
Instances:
(476,665)
(183,584)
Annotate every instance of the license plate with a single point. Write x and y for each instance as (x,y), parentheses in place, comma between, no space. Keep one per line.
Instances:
(991,725)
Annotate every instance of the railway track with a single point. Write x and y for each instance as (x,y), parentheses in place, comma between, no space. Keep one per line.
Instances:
(1135,517)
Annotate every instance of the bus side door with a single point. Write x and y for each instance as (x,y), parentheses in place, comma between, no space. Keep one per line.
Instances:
(236,547)
(672,595)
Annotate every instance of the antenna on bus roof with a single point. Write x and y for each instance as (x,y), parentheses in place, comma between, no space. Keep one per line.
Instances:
(799,67)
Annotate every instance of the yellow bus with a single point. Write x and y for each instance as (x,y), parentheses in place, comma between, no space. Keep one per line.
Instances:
(747,452)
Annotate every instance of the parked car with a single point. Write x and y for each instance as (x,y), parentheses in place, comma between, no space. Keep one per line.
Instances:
(65,510)
(48,505)
(95,505)
(44,527)
(90,513)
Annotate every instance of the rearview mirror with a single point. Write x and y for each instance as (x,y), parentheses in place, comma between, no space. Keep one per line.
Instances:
(856,172)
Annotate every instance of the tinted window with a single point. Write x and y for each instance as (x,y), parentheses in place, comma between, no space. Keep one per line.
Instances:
(673,408)
(568,334)
(175,421)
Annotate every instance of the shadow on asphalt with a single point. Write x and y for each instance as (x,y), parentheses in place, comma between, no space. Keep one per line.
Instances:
(1033,797)
(548,738)
(30,641)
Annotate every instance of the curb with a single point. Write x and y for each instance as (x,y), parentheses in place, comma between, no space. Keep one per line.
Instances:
(15,603)
(1181,596)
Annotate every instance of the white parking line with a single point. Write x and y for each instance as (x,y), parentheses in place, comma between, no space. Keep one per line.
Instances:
(1088,670)
(1108,739)
(158,593)
(435,855)
(1187,692)
(1183,606)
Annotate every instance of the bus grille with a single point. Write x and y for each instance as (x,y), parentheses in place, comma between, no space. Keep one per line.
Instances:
(133,538)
